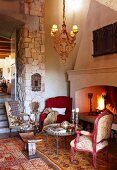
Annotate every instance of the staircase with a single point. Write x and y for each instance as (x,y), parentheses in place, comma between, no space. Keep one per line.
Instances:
(4,128)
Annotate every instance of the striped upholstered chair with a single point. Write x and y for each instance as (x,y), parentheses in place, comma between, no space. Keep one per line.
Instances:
(95,141)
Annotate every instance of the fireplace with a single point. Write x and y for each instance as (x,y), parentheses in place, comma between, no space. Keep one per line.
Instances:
(96,81)
(94,99)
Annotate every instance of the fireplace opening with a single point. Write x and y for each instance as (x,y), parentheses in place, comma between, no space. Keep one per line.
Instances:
(91,101)
(94,99)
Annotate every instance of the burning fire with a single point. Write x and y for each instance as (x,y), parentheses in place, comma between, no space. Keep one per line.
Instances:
(100,103)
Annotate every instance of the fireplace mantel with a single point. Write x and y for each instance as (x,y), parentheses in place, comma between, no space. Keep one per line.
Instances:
(92,71)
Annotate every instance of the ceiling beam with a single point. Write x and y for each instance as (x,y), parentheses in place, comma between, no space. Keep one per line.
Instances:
(4,46)
(6,42)
(5,50)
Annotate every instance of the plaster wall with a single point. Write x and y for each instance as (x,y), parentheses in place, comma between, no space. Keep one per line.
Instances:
(98,16)
(89,70)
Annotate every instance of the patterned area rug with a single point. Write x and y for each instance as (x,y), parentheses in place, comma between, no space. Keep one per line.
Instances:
(84,159)
(12,157)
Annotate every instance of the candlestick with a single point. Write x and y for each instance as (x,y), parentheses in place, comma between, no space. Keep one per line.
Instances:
(77,110)
(76,118)
(73,115)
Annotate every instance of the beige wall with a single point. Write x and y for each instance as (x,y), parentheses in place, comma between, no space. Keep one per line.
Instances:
(56,82)
(98,16)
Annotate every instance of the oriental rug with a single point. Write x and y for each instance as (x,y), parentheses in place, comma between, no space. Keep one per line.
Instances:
(62,159)
(12,157)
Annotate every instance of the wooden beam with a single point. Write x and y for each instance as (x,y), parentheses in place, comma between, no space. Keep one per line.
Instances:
(5,50)
(3,57)
(4,54)
(4,46)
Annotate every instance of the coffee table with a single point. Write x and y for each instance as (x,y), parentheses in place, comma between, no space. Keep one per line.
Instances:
(58,131)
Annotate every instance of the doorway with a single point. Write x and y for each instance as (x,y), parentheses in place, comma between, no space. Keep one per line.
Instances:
(8,67)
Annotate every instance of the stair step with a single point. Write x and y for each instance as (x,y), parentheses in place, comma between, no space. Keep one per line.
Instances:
(2,111)
(4,129)
(2,105)
(3,100)
(3,117)
(3,123)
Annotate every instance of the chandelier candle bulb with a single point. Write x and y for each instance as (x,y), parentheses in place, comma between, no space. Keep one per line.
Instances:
(75,29)
(72,34)
(54,28)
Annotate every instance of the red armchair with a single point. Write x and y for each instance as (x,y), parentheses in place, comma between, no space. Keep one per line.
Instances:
(59,102)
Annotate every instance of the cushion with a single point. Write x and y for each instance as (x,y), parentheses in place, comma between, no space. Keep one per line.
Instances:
(85,143)
(60,110)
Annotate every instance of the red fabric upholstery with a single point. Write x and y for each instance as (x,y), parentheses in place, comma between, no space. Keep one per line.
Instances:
(59,102)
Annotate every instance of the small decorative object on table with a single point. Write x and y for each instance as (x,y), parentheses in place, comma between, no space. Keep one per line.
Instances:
(65,124)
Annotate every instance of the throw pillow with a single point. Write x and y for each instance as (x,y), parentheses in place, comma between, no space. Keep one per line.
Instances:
(59,110)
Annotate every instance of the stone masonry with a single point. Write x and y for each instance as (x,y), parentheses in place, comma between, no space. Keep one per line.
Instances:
(30,55)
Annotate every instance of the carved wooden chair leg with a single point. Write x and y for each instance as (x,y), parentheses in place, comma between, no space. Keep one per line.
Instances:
(106,154)
(94,159)
(72,160)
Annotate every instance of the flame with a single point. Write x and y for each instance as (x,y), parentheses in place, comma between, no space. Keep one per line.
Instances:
(100,103)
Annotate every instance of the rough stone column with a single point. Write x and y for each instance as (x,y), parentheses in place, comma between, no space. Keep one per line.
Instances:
(30,55)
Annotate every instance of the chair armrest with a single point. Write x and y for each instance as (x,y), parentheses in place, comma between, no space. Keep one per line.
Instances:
(77,138)
(86,133)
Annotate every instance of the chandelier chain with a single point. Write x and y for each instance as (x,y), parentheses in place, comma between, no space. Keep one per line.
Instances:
(64,18)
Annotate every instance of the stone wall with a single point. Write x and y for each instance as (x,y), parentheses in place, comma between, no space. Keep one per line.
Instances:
(30,54)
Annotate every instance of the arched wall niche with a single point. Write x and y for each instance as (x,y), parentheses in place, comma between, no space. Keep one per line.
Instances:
(36,82)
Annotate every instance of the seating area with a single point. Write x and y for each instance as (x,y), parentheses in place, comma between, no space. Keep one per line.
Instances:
(85,141)
(58,87)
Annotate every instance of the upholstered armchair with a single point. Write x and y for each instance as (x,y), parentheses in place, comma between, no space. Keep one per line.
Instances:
(95,141)
(57,104)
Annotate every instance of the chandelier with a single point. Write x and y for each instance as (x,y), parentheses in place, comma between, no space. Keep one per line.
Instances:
(63,41)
